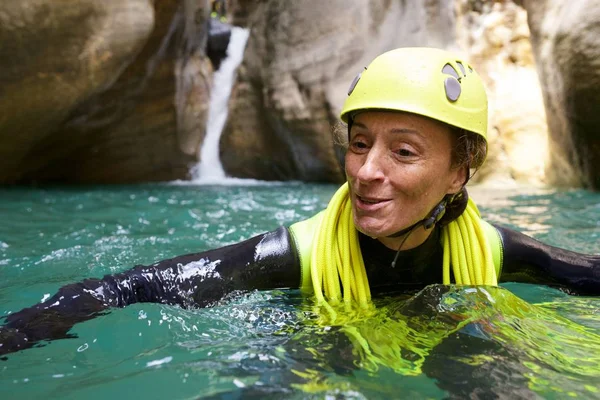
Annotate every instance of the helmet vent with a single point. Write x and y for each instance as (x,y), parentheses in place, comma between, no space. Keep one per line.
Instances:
(452,83)
(452,87)
(354,82)
(449,70)
(462,68)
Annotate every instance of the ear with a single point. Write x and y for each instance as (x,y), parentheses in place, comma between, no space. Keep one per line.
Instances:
(459,179)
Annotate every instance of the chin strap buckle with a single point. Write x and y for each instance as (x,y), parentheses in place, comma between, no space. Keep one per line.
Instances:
(437,214)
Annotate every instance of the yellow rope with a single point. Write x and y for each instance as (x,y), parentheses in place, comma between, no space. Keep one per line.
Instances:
(336,256)
(470,251)
(337,267)
(341,287)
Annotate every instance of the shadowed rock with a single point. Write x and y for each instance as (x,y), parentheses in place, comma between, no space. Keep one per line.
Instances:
(117,91)
(219,34)
(111,91)
(566,40)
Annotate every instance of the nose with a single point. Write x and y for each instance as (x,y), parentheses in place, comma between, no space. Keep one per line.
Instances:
(372,167)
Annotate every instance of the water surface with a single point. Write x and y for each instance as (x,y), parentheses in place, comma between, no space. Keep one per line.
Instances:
(526,340)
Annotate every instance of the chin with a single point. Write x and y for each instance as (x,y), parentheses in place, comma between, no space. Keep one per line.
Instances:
(373,229)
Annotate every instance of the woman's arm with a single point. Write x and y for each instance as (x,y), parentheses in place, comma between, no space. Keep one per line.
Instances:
(528,260)
(267,261)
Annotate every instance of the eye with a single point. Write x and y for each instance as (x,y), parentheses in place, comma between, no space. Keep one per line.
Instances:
(405,153)
(358,146)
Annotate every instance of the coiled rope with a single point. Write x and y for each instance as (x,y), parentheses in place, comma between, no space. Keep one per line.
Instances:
(337,267)
(341,288)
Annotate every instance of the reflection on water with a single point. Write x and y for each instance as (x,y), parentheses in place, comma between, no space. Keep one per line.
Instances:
(449,333)
(270,343)
(568,219)
(529,211)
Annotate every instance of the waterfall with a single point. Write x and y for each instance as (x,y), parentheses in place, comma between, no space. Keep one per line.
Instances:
(210,169)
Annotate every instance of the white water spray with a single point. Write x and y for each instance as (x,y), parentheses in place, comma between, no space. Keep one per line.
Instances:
(210,169)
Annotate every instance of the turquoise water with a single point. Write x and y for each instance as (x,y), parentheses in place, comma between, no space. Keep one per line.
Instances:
(249,345)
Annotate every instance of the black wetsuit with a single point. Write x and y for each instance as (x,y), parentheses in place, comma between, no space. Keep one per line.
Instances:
(270,261)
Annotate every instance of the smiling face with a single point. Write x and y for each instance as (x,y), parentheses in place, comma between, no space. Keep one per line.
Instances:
(399,167)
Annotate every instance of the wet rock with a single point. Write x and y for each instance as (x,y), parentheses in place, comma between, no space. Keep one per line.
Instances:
(299,62)
(117,91)
(111,91)
(566,42)
(496,39)
(219,34)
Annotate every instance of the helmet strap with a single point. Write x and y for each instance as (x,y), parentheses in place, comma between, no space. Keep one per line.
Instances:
(446,211)
(427,223)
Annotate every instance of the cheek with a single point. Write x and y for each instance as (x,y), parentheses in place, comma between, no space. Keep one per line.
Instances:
(418,181)
(351,165)
(435,183)
(409,178)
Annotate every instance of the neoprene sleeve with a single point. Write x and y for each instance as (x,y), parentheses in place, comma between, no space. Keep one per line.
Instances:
(530,261)
(267,261)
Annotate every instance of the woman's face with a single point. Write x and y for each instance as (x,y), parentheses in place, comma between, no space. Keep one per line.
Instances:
(398,166)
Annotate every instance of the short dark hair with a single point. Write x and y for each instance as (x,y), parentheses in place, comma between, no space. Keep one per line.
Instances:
(470,149)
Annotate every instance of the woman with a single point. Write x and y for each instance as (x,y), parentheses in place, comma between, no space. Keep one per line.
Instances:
(417,123)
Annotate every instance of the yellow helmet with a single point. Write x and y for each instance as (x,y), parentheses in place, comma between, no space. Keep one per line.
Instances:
(425,81)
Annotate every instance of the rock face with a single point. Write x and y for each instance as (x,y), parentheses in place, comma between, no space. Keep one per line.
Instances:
(101,91)
(566,42)
(496,40)
(117,91)
(301,57)
(299,62)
